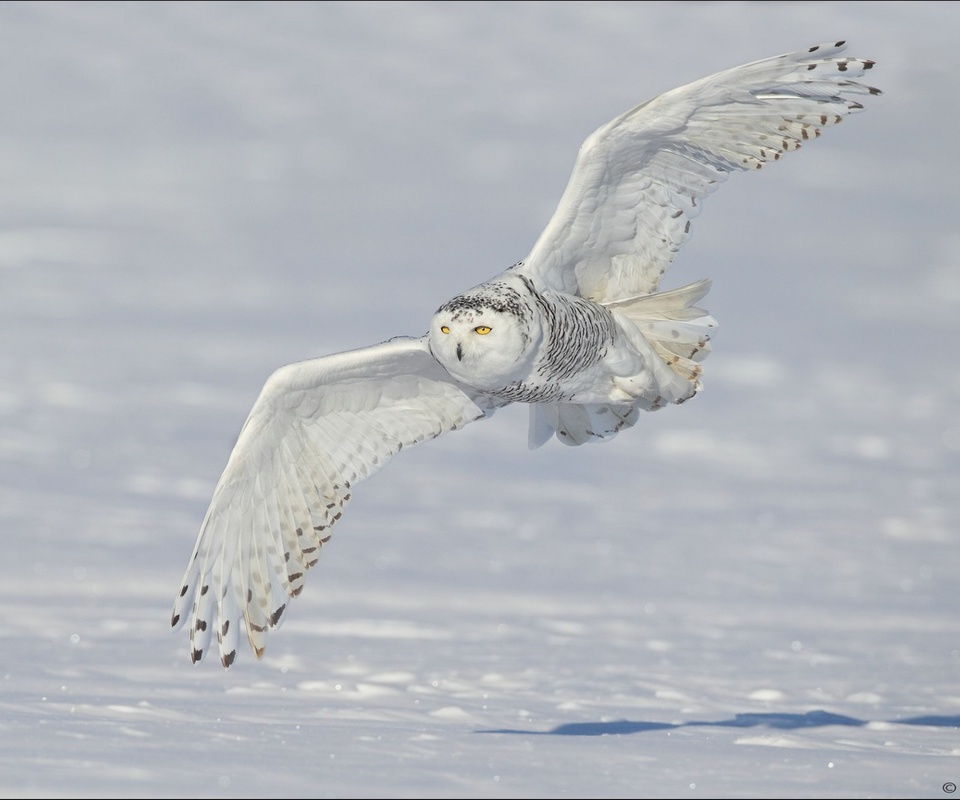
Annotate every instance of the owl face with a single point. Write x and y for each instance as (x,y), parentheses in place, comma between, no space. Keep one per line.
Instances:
(483,341)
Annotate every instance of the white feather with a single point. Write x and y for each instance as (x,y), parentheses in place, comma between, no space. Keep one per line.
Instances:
(639,180)
(317,428)
(576,329)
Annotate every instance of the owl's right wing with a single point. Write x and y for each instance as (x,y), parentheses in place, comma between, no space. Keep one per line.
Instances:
(317,428)
(639,180)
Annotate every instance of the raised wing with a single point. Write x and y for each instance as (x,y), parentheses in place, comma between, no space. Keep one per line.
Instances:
(638,180)
(317,428)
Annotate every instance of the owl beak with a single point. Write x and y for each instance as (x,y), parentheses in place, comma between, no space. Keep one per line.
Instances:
(459,352)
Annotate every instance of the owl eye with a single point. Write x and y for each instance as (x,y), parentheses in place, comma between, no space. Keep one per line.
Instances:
(483,330)
(444,329)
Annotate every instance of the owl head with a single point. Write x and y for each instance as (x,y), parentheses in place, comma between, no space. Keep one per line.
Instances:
(487,337)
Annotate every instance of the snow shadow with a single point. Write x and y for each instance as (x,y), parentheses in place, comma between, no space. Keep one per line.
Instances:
(812,719)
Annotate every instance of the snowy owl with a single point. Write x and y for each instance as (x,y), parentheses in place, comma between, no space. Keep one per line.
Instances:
(578,330)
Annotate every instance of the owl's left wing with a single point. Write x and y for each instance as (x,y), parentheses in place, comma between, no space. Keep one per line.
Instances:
(638,180)
(317,428)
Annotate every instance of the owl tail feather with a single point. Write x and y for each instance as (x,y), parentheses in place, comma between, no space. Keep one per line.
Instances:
(677,330)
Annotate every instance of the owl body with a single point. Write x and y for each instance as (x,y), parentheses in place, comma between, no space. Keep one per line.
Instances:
(579,330)
(518,344)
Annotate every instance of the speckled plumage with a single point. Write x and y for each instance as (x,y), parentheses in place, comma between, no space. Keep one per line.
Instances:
(579,330)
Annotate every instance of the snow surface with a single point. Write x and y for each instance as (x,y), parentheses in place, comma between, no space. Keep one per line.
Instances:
(751,595)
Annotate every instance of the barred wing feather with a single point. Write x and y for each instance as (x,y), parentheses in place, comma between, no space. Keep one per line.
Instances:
(639,180)
(317,428)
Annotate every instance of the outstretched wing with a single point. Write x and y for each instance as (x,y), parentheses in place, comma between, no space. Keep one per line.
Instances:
(638,180)
(317,428)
